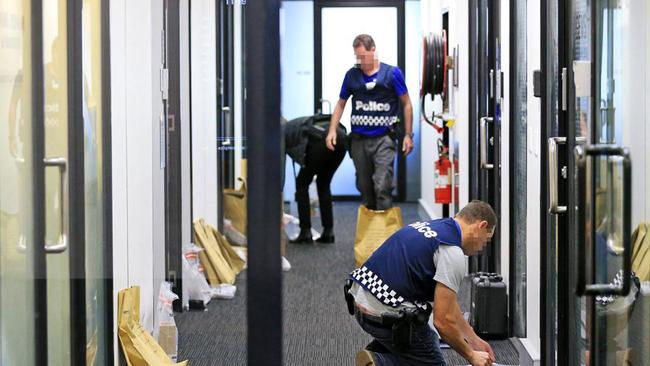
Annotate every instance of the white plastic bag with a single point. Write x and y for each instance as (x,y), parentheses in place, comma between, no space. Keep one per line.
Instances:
(165,331)
(224,291)
(291,226)
(286,266)
(197,286)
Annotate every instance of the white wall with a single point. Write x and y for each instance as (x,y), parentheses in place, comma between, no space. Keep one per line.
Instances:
(204,110)
(138,195)
(186,159)
(632,108)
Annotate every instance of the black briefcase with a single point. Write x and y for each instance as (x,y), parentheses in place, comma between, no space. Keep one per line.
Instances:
(489,306)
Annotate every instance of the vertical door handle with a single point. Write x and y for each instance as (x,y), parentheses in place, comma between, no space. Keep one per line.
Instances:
(564,88)
(491,83)
(329,104)
(554,207)
(62,164)
(483,143)
(228,127)
(581,153)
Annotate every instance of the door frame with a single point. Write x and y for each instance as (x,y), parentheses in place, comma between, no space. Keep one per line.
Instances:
(38,174)
(485,184)
(518,139)
(400,195)
(173,173)
(76,178)
(107,166)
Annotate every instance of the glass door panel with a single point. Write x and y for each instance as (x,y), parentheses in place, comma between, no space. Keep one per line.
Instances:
(55,58)
(96,306)
(17,322)
(608,140)
(618,327)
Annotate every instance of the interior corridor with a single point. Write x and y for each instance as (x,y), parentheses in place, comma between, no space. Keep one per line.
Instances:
(316,328)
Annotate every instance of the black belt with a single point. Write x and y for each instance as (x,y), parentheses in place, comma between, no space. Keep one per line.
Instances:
(400,324)
(385,320)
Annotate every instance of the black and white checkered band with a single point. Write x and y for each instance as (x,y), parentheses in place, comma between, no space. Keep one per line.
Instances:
(379,289)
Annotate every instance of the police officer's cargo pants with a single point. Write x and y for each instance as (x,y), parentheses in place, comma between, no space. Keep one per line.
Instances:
(424,348)
(373,159)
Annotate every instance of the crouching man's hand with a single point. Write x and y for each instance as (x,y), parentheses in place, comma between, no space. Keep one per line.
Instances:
(479,358)
(480,345)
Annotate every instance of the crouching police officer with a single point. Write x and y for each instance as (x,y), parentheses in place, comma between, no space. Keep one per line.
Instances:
(422,263)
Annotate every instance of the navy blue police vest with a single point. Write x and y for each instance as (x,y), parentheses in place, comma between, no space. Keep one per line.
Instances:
(374,105)
(402,268)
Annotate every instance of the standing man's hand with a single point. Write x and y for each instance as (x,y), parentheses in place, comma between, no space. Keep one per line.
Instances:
(479,358)
(330,140)
(480,345)
(407,145)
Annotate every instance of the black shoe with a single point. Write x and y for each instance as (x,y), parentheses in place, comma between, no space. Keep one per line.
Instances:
(327,237)
(303,238)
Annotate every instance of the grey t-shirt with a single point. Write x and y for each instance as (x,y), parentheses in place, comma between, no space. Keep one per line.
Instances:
(450,270)
(450,266)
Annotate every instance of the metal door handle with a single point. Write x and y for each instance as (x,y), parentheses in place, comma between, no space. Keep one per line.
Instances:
(554,207)
(62,164)
(227,129)
(491,83)
(581,153)
(483,143)
(329,104)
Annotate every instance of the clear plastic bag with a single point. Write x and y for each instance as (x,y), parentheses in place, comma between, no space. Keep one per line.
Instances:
(194,280)
(291,226)
(165,331)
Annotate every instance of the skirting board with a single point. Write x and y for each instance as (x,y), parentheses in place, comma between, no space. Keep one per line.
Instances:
(425,210)
(526,357)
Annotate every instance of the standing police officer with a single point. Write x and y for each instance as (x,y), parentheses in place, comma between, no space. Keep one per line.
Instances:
(375,89)
(422,263)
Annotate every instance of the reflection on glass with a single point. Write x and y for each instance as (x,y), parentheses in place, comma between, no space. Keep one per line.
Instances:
(95,246)
(16,213)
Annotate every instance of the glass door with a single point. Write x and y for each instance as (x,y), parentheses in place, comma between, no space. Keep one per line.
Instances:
(98,288)
(17,186)
(54,255)
(57,174)
(609,206)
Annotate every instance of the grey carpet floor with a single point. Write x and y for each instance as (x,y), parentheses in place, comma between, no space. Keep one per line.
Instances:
(317,328)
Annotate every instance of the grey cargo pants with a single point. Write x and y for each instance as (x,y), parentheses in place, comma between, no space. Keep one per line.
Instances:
(373,159)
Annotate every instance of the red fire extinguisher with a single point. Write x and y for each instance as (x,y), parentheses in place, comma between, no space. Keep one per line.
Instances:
(442,175)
